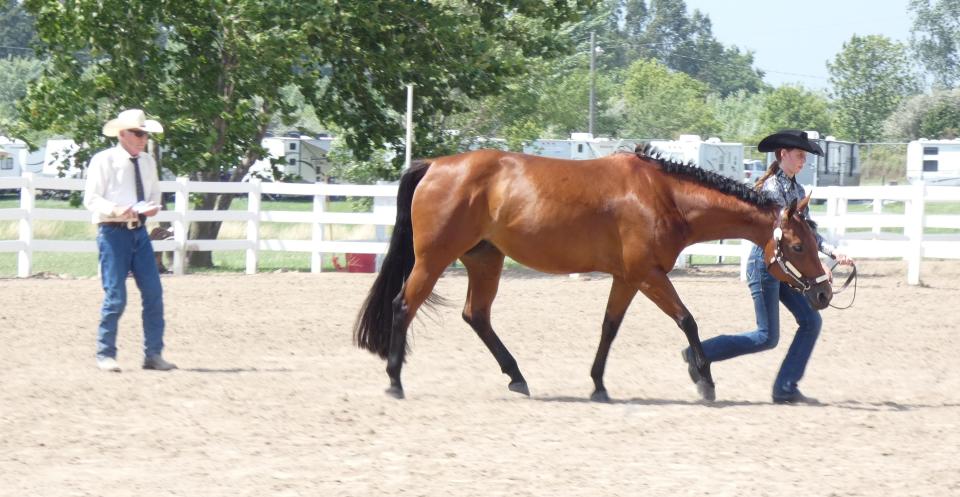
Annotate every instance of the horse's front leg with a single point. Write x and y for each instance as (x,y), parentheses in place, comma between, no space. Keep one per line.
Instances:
(621,294)
(658,288)
(484,264)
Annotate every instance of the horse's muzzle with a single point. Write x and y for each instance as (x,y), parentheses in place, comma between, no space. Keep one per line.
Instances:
(819,295)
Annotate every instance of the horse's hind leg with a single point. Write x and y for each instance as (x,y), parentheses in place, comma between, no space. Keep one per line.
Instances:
(484,264)
(415,292)
(621,294)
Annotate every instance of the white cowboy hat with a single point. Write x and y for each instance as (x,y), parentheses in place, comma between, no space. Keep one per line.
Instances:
(131,119)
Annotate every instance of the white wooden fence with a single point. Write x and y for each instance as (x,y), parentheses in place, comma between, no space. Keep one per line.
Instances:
(861,234)
(839,225)
(181,216)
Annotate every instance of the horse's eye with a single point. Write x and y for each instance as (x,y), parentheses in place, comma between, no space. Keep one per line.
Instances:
(797,248)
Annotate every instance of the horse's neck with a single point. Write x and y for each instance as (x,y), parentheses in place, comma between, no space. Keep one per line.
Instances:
(728,218)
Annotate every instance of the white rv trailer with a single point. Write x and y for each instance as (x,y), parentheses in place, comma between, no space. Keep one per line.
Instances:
(579,146)
(713,155)
(935,162)
(839,165)
(13,156)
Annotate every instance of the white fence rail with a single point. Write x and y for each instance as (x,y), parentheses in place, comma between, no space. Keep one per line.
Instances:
(860,234)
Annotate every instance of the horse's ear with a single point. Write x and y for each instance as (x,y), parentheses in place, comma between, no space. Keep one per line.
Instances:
(791,210)
(805,202)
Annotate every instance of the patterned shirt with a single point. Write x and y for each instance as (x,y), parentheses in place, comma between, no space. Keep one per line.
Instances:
(784,190)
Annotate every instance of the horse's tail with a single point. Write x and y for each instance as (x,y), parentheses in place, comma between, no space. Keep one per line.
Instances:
(375,320)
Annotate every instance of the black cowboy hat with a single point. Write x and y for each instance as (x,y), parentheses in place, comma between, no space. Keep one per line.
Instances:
(789,138)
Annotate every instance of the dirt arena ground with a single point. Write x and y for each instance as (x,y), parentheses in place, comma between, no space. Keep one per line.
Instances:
(272,399)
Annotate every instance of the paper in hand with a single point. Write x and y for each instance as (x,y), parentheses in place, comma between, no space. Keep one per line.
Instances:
(143,206)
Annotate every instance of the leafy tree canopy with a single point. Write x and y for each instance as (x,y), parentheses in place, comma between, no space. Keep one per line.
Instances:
(870,77)
(935,38)
(17,33)
(660,103)
(792,106)
(935,116)
(214,71)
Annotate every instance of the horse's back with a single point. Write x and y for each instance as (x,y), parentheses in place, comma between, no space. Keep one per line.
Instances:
(551,214)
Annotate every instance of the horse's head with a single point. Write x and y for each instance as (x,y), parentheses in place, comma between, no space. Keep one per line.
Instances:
(792,256)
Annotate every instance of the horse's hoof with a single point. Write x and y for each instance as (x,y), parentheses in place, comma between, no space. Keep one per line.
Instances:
(520,387)
(707,391)
(395,392)
(600,396)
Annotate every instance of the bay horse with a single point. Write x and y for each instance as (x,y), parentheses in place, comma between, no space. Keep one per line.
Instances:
(628,214)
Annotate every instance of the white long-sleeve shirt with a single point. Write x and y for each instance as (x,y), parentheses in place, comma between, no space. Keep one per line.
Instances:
(111,182)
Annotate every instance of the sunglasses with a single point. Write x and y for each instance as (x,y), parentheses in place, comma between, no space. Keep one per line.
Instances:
(139,133)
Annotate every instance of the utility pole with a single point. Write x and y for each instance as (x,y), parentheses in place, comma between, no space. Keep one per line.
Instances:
(593,80)
(409,144)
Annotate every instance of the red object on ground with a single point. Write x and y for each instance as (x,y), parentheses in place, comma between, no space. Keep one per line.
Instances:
(361,263)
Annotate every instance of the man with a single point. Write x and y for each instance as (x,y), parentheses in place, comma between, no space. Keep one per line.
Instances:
(122,190)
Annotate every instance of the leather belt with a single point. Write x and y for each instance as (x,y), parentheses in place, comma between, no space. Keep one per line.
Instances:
(130,225)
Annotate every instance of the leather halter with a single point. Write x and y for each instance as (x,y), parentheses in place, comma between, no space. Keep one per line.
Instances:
(800,282)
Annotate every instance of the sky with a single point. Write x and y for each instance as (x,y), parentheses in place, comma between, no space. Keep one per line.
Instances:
(792,40)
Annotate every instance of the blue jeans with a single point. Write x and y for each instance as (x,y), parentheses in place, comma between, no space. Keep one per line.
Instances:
(767,292)
(122,251)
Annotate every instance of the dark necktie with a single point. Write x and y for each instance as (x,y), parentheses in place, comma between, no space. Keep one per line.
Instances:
(136,174)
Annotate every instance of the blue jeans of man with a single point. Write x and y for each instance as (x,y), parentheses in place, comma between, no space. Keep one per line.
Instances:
(123,251)
(767,293)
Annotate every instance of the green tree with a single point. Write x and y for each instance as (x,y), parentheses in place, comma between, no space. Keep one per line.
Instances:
(15,74)
(870,77)
(936,39)
(739,115)
(17,33)
(792,106)
(660,103)
(935,115)
(214,71)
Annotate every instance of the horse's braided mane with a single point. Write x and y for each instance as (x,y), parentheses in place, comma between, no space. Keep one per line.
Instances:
(706,178)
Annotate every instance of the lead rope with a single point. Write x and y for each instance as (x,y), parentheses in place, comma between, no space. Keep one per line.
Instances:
(851,277)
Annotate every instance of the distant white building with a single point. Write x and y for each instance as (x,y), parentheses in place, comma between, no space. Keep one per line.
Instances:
(714,155)
(935,162)
(300,157)
(57,158)
(13,156)
(579,146)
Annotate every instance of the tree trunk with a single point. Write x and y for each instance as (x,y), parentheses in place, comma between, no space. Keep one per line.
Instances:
(208,230)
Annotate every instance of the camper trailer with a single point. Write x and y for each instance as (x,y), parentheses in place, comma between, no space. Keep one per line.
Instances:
(13,156)
(839,165)
(301,157)
(579,146)
(713,155)
(935,162)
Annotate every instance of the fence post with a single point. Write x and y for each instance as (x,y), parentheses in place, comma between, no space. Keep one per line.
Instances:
(832,202)
(914,232)
(316,257)
(877,211)
(746,247)
(27,203)
(253,224)
(181,204)
(843,203)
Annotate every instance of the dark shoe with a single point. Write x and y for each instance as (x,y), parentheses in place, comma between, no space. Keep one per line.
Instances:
(157,363)
(795,398)
(688,358)
(108,364)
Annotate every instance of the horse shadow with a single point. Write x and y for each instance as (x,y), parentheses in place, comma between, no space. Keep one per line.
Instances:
(236,370)
(848,404)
